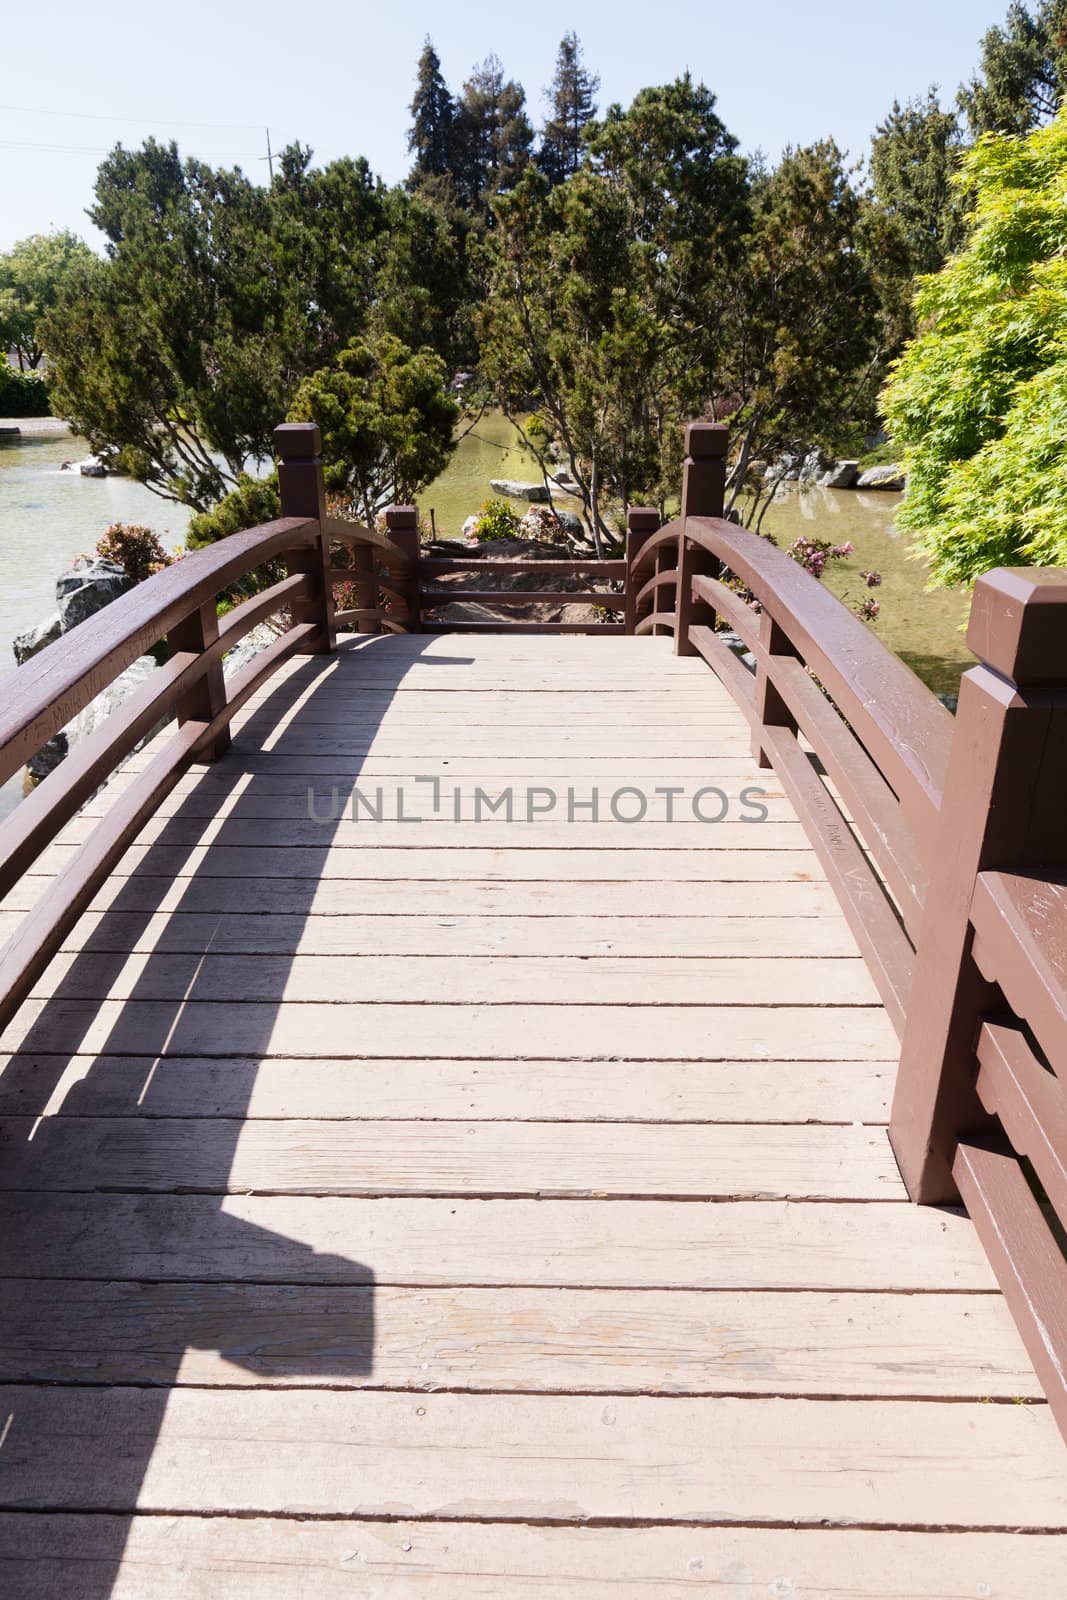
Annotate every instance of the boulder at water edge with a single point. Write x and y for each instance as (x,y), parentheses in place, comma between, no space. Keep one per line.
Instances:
(842,475)
(518,491)
(25,645)
(889,477)
(87,588)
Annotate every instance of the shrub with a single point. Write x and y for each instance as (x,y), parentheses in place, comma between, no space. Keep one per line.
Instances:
(254,500)
(497,520)
(23,394)
(135,549)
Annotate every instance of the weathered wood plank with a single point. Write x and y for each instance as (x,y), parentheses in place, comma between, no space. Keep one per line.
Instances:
(878,1245)
(358,934)
(560,1458)
(406,896)
(72,1557)
(533,1341)
(588,866)
(519,1032)
(708,1160)
(327,831)
(453,980)
(663,1091)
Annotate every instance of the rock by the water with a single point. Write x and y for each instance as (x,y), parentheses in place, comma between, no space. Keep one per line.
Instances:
(515,490)
(47,758)
(87,588)
(842,475)
(888,477)
(25,645)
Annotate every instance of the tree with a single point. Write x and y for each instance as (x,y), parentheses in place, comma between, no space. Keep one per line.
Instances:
(805,330)
(387,422)
(604,297)
(572,97)
(915,154)
(218,297)
(431,137)
(1023,71)
(979,398)
(32,276)
(493,136)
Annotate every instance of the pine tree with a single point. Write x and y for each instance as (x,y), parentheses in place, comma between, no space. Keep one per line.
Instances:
(572,98)
(431,138)
(493,134)
(1022,75)
(914,154)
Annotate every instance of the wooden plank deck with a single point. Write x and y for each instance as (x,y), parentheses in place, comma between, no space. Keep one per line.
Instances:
(470,1208)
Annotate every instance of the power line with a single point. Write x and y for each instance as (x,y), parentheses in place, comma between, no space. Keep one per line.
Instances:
(103,150)
(104,116)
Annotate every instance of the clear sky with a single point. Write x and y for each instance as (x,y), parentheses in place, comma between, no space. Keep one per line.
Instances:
(338,74)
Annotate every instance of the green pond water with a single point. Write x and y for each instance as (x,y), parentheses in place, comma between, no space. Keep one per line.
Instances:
(924,627)
(48,517)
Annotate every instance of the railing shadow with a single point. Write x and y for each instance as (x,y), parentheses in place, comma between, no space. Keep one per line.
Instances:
(102,1192)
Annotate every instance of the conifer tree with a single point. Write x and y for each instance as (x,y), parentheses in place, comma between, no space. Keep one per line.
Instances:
(572,97)
(431,137)
(493,135)
(1022,73)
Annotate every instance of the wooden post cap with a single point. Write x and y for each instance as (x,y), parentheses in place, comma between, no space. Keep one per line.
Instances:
(706,441)
(1018,624)
(642,519)
(297,441)
(397,518)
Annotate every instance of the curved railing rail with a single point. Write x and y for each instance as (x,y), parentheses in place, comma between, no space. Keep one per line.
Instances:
(943,838)
(177,606)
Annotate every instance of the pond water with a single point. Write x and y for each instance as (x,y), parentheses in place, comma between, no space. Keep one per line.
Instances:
(924,627)
(49,517)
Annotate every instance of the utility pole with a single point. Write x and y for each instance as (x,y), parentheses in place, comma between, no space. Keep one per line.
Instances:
(270,158)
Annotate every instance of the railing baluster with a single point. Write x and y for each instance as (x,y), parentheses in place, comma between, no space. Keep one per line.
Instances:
(300,485)
(641,523)
(1002,808)
(206,698)
(403,525)
(703,495)
(771,709)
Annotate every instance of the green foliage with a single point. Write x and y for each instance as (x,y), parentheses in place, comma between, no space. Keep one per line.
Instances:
(387,421)
(572,97)
(23,394)
(604,293)
(497,520)
(980,397)
(431,137)
(251,502)
(915,153)
(32,276)
(217,297)
(134,548)
(492,136)
(1022,73)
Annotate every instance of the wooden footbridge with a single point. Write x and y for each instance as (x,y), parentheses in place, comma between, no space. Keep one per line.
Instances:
(496,1181)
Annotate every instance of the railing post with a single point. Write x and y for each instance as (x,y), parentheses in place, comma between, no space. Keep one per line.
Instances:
(207,696)
(703,495)
(297,446)
(641,523)
(771,709)
(403,525)
(1002,808)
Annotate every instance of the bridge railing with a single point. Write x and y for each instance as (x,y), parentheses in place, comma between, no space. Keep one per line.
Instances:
(945,839)
(177,606)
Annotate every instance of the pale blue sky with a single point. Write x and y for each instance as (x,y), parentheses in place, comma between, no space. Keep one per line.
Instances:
(339,75)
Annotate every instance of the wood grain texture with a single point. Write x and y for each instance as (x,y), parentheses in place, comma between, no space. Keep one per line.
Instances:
(521,1032)
(778,1161)
(880,1245)
(513,1340)
(355,933)
(705,981)
(68,1557)
(558,1458)
(606,1091)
